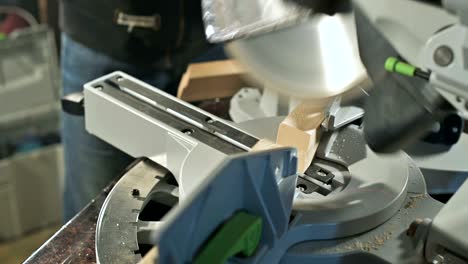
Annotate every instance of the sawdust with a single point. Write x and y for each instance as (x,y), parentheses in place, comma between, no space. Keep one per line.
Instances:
(413,201)
(378,241)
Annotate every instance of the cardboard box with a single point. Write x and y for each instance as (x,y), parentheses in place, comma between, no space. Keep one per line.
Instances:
(211,80)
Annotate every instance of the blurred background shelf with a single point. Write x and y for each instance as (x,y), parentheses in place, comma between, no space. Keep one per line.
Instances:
(31,171)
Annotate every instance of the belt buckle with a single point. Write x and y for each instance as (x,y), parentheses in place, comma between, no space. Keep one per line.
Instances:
(132,21)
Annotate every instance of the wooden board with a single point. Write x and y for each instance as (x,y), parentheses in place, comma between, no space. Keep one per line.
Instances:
(300,129)
(211,80)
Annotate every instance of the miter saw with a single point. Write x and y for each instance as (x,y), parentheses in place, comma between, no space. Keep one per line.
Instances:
(350,202)
(200,195)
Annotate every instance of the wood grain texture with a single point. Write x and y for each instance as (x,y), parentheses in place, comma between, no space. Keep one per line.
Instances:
(300,130)
(151,257)
(210,80)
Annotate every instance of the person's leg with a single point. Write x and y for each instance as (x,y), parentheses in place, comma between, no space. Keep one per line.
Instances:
(90,163)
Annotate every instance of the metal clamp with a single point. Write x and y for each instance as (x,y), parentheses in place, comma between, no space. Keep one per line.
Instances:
(339,116)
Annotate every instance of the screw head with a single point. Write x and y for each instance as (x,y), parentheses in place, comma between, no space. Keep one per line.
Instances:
(443,56)
(438,259)
(302,187)
(188,131)
(321,173)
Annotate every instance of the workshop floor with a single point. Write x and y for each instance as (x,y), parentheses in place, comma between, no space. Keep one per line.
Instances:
(18,250)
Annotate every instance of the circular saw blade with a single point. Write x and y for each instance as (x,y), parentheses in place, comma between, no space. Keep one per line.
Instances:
(313,60)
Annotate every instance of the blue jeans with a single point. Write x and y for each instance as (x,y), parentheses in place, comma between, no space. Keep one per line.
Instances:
(90,163)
